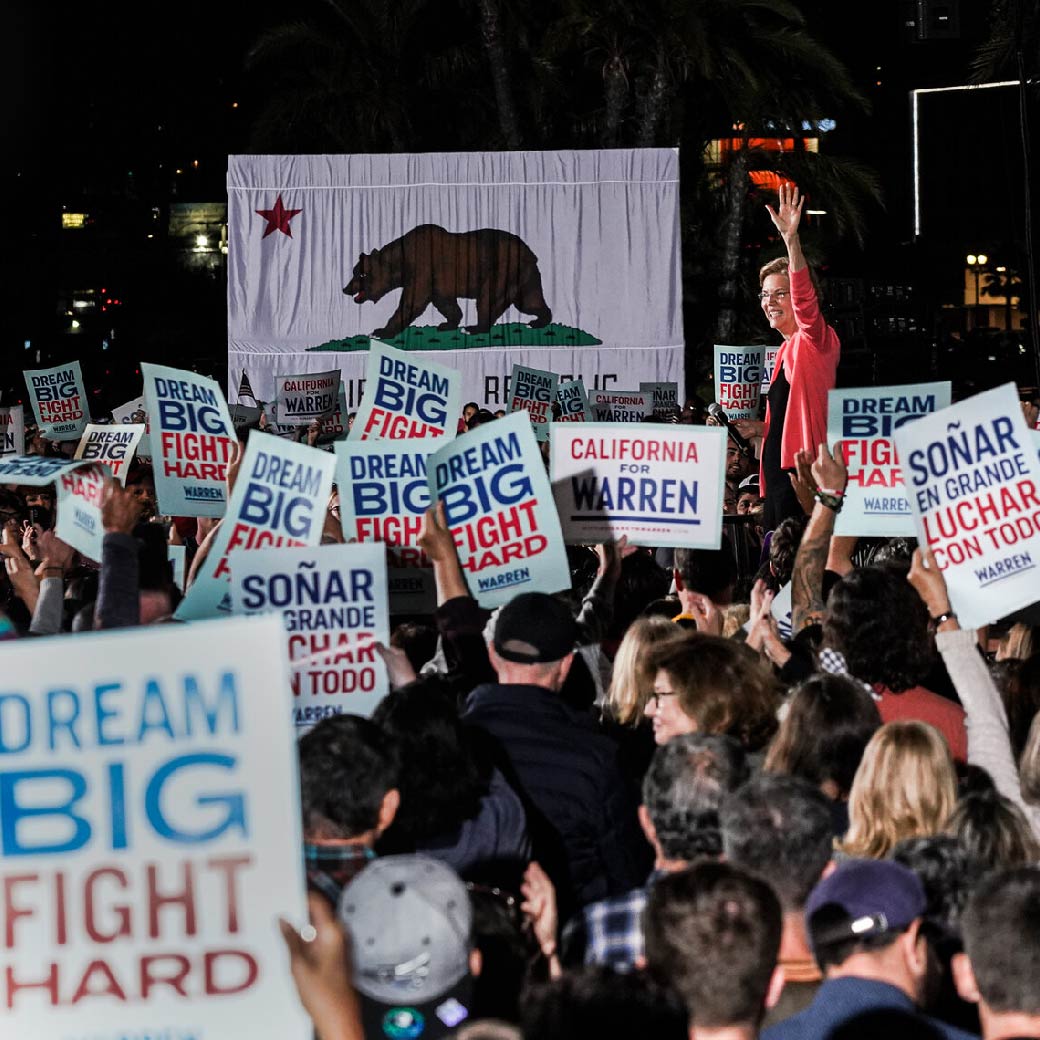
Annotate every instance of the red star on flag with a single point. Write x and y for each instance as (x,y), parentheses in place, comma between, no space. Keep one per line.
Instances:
(278,218)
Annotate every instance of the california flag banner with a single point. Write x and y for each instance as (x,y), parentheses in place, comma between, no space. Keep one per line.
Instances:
(562,261)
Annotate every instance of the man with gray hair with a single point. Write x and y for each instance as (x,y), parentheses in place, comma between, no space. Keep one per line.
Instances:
(682,791)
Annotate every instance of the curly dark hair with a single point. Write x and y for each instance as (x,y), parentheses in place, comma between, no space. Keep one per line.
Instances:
(783,547)
(440,782)
(876,619)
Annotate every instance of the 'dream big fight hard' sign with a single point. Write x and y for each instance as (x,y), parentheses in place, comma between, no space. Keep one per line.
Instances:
(573,401)
(406,396)
(149,835)
(532,390)
(499,507)
(113,445)
(59,400)
(383,493)
(860,425)
(192,438)
(280,498)
(80,494)
(738,380)
(659,484)
(974,484)
(332,600)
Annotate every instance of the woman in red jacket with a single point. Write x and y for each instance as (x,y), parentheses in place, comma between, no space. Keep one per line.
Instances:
(796,409)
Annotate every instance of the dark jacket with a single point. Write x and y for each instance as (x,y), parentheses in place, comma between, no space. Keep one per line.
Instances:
(568,775)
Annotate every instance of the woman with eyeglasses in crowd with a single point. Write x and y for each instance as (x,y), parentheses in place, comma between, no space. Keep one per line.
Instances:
(805,367)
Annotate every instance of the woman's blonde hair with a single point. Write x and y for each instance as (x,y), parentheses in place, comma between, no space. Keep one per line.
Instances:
(1019,641)
(633,681)
(905,787)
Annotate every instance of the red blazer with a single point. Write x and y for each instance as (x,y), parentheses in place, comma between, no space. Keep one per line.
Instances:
(810,360)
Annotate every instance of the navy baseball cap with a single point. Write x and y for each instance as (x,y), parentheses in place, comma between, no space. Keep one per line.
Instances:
(862,898)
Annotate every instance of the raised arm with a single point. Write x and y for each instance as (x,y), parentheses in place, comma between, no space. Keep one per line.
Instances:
(989,742)
(807,606)
(786,219)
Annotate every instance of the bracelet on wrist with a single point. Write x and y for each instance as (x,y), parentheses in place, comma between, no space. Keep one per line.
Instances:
(946,615)
(832,502)
(833,492)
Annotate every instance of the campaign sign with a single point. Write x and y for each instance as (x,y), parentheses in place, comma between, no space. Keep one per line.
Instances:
(178,557)
(573,401)
(244,414)
(664,398)
(113,445)
(532,390)
(629,406)
(35,470)
(80,492)
(59,400)
(192,442)
(499,507)
(134,413)
(659,484)
(332,602)
(383,493)
(335,425)
(973,479)
(738,380)
(280,498)
(860,424)
(304,398)
(768,364)
(406,396)
(150,835)
(12,430)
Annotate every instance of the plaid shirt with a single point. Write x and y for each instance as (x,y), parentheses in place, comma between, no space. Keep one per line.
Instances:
(330,868)
(610,932)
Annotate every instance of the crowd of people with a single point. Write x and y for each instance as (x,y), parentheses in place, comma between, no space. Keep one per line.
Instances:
(646,807)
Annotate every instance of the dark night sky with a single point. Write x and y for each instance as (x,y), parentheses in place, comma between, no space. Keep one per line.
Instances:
(90,89)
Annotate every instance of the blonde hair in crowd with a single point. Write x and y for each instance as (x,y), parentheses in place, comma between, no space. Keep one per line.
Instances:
(632,680)
(905,787)
(1029,764)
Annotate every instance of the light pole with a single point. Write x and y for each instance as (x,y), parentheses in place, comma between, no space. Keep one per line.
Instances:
(976,263)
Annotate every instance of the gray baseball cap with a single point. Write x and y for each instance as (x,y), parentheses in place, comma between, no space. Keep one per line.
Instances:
(410,921)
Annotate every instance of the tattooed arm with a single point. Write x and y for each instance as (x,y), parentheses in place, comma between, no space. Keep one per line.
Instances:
(807,606)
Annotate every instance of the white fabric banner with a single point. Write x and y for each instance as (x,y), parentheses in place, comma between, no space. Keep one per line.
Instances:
(569,260)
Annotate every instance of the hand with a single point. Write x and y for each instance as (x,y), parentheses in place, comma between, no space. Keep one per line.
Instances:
(706,616)
(54,553)
(761,604)
(30,535)
(233,466)
(120,510)
(610,556)
(539,905)
(928,582)
(322,970)
(749,429)
(803,482)
(398,667)
(435,538)
(1030,412)
(789,215)
(332,529)
(174,537)
(829,470)
(19,568)
(313,433)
